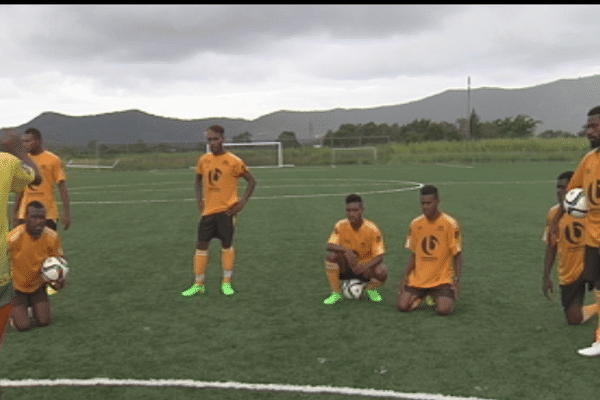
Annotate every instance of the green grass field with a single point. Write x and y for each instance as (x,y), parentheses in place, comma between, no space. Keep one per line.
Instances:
(130,251)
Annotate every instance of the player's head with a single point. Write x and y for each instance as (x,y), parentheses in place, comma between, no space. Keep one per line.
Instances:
(561,185)
(430,201)
(215,135)
(592,128)
(354,209)
(35,218)
(32,140)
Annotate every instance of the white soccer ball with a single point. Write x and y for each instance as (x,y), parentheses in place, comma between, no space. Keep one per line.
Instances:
(54,269)
(353,288)
(575,203)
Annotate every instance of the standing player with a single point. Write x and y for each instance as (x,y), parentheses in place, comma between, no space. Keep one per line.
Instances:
(435,264)
(29,245)
(52,173)
(355,250)
(217,176)
(568,244)
(17,170)
(587,176)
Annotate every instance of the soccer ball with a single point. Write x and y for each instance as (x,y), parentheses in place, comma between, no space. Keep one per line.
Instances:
(353,288)
(54,269)
(575,203)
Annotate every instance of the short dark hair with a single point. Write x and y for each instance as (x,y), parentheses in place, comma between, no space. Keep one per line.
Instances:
(35,133)
(565,175)
(218,129)
(594,111)
(35,204)
(429,189)
(353,198)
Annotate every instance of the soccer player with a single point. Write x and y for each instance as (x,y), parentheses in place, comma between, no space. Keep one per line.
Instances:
(587,176)
(355,250)
(29,245)
(17,170)
(435,263)
(570,248)
(53,173)
(217,176)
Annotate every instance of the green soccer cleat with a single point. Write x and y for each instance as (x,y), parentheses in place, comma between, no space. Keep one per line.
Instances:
(193,290)
(430,301)
(373,295)
(227,289)
(334,298)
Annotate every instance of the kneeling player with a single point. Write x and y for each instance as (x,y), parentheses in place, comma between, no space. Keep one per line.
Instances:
(568,243)
(435,263)
(355,250)
(29,245)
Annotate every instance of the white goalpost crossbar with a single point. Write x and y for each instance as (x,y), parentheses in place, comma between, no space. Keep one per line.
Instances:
(278,146)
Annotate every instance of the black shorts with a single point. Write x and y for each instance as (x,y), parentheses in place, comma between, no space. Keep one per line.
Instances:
(444,290)
(349,274)
(573,294)
(30,299)
(592,264)
(218,226)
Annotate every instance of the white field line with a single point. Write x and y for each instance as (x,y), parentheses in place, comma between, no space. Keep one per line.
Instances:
(186,383)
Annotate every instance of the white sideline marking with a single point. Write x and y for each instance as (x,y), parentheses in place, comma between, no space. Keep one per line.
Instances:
(188,383)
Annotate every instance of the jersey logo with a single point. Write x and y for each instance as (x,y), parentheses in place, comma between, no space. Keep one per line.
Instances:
(593,193)
(429,244)
(214,176)
(574,232)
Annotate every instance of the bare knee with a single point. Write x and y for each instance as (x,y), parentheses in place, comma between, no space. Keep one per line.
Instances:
(380,273)
(444,306)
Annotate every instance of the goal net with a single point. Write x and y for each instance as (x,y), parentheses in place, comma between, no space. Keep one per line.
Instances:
(257,154)
(353,155)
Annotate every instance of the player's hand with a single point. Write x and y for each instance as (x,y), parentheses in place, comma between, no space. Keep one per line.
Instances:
(58,285)
(235,209)
(548,288)
(351,259)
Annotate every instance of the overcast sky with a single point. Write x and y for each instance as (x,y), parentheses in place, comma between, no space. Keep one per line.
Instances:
(246,61)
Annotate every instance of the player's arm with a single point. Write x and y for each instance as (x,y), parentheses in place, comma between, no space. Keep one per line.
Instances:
(199,198)
(349,254)
(410,266)
(547,284)
(251,184)
(18,200)
(66,201)
(458,266)
(364,268)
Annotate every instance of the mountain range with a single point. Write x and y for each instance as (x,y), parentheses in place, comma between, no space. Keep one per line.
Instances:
(559,105)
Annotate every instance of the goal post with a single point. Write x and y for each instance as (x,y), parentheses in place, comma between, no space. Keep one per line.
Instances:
(353,155)
(91,164)
(257,154)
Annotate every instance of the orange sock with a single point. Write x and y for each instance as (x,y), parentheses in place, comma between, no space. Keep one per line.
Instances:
(588,312)
(200,262)
(333,276)
(227,263)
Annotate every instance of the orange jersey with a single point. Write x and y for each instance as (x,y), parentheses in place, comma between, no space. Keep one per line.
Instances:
(434,244)
(27,255)
(587,176)
(570,245)
(14,177)
(367,241)
(52,172)
(220,175)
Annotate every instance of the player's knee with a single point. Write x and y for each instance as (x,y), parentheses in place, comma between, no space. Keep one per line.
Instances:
(22,326)
(43,322)
(444,310)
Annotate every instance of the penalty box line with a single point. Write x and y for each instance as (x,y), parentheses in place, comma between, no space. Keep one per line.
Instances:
(192,384)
